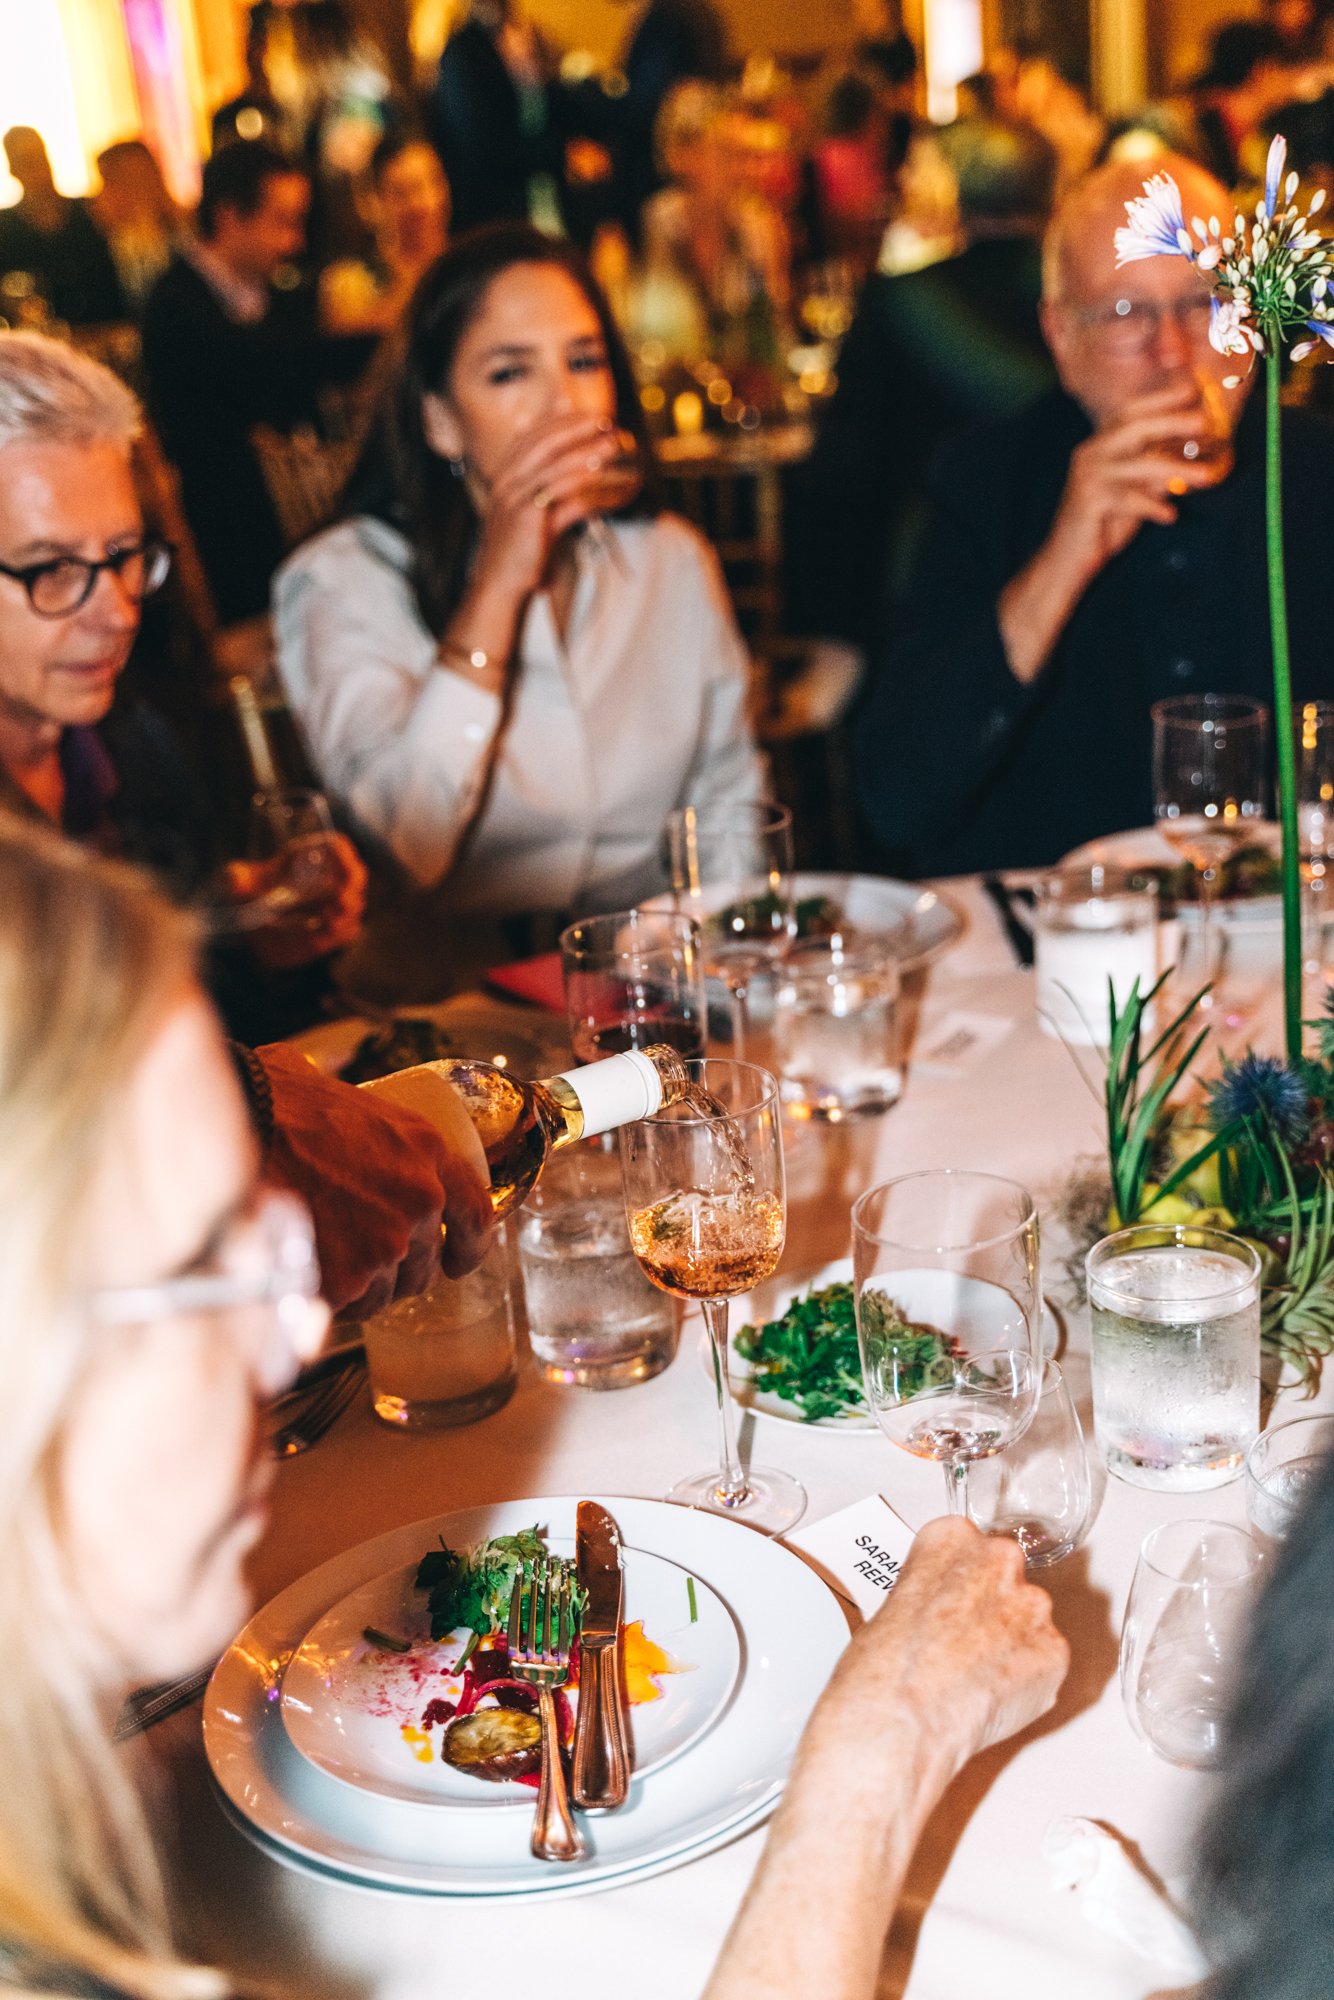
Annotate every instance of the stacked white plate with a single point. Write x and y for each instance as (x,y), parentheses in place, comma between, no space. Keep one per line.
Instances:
(326,1779)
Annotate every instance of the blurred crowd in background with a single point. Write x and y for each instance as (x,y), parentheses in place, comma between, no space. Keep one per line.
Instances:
(816,286)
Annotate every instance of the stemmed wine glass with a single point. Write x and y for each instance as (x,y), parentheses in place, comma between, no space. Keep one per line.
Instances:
(731,869)
(706,1199)
(948,1304)
(1209,763)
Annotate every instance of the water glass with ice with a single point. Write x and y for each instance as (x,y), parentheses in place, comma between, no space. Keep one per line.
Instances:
(835,1037)
(1176,1354)
(1281,1468)
(594,1320)
(450,1355)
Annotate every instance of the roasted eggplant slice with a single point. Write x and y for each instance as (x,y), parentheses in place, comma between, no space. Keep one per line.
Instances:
(498,1744)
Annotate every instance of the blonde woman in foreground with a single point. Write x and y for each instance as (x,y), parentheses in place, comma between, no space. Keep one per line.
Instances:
(154,1295)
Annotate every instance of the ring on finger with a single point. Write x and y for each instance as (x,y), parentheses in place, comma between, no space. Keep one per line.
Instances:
(542,498)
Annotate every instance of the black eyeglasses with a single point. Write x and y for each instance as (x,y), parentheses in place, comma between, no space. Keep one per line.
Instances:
(63,585)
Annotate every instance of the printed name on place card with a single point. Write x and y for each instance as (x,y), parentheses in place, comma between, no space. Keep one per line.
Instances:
(859,1551)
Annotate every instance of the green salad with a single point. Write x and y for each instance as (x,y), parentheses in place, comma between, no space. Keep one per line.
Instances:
(472,1587)
(810,1357)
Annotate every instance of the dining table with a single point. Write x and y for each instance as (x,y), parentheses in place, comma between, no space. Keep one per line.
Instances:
(986,1088)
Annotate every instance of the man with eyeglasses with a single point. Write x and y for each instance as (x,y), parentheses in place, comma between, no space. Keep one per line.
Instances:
(1099,551)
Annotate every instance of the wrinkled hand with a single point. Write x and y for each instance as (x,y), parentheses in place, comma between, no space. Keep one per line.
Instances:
(326,878)
(379,1182)
(964,1648)
(1125,474)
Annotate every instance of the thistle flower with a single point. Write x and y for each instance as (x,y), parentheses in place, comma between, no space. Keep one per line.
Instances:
(1260,1090)
(1272,277)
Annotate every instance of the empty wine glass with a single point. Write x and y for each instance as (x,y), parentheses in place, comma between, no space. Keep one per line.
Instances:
(948,1304)
(1209,769)
(706,1199)
(1040,1491)
(731,870)
(1184,1625)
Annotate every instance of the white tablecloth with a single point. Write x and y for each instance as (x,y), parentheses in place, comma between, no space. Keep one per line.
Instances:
(978,1913)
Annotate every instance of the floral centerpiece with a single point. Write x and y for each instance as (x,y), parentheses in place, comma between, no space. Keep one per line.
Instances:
(1251,1152)
(1271,280)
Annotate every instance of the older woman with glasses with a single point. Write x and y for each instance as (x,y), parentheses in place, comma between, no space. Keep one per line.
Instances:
(75,569)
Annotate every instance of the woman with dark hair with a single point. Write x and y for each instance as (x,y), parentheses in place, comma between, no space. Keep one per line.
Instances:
(508,664)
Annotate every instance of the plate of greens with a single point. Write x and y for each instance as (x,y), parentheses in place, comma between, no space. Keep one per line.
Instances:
(794,1356)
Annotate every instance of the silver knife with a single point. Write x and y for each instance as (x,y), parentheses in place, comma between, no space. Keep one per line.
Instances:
(601,1750)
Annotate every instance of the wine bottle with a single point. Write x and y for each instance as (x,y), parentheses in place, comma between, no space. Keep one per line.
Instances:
(511,1127)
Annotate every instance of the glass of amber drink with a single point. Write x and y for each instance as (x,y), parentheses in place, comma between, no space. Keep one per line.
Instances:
(706,1200)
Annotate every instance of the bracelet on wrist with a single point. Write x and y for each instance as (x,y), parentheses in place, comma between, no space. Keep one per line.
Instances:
(475,658)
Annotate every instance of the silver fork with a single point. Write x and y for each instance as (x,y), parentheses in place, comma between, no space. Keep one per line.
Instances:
(298,1423)
(539,1650)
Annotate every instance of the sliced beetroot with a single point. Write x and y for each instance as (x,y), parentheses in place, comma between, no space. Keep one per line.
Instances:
(437,1711)
(490,1663)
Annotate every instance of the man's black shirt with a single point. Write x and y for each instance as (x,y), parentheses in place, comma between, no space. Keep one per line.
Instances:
(962,767)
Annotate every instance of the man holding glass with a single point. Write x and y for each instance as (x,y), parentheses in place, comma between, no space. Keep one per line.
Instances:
(1098,552)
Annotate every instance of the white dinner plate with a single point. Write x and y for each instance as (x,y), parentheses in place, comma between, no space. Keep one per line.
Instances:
(304,1864)
(358,1710)
(918,923)
(792,1631)
(923,923)
(770,1301)
(1146,847)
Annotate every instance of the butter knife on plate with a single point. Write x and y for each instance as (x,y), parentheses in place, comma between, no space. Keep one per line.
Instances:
(601,1748)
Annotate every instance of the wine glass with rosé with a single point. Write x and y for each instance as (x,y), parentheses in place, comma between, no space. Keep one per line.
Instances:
(706,1199)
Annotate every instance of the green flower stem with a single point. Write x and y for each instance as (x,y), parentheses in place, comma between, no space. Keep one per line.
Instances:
(1287,773)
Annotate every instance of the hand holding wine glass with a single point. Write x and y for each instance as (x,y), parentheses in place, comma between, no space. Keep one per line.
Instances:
(302,891)
(705,1196)
(948,1305)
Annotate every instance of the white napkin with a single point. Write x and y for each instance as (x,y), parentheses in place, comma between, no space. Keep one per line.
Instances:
(1118,1895)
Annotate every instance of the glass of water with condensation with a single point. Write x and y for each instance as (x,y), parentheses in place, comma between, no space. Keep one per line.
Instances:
(1176,1354)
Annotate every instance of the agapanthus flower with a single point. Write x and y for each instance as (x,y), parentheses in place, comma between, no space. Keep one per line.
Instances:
(1271,277)
(1227,334)
(1278,153)
(1155,225)
(1262,1090)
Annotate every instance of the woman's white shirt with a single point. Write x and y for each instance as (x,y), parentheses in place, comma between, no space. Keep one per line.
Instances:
(641,709)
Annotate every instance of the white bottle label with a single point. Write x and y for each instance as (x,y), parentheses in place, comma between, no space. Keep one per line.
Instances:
(615,1092)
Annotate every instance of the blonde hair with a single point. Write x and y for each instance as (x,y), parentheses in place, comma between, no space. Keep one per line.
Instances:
(91,958)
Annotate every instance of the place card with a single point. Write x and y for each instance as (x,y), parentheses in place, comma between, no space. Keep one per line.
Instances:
(961,1041)
(859,1551)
